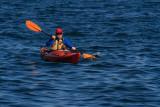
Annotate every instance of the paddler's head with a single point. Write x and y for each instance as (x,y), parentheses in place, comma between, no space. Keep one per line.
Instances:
(59,32)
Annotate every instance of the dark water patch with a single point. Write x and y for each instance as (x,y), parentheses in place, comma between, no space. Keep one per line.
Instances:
(123,34)
(98,47)
(106,65)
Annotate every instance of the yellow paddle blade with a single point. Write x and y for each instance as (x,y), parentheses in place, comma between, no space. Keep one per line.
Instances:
(32,26)
(88,56)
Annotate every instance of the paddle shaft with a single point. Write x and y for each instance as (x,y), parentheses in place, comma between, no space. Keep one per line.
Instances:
(46,33)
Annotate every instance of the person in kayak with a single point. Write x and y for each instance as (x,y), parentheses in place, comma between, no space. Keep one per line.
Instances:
(58,42)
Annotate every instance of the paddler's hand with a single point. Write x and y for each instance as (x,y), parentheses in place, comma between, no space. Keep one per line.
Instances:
(53,37)
(43,49)
(74,48)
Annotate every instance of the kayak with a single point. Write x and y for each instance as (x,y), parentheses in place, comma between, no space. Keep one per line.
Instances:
(60,56)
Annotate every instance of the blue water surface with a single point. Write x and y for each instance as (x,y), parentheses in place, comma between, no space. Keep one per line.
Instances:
(125,34)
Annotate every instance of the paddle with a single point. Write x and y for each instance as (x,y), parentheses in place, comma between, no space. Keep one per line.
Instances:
(34,27)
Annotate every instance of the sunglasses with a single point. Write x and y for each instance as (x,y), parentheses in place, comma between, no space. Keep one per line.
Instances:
(58,33)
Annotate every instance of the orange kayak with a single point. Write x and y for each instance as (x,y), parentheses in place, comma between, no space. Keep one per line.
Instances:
(60,56)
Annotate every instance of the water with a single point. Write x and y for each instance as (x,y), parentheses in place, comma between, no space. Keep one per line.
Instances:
(123,33)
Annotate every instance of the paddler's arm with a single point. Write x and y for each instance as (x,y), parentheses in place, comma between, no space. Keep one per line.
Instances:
(50,42)
(69,44)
